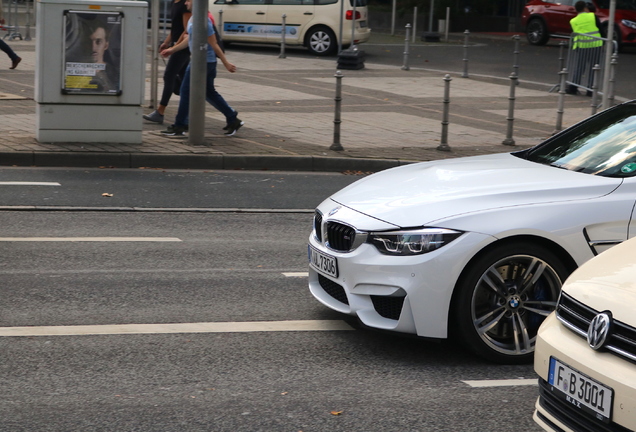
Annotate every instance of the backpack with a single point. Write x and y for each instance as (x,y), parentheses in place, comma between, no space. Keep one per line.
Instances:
(219,40)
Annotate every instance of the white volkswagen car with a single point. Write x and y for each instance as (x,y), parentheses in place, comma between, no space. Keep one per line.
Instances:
(314,24)
(477,247)
(586,350)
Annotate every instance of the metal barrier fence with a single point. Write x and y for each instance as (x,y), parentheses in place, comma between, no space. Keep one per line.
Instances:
(584,52)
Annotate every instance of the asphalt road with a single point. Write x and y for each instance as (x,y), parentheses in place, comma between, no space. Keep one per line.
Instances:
(149,188)
(207,272)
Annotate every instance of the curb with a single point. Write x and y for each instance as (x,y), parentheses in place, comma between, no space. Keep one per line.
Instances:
(193,161)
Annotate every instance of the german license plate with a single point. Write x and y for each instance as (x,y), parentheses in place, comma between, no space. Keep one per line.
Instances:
(581,391)
(322,262)
(363,24)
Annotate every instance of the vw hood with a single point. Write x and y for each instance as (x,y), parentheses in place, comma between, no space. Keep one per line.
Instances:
(428,192)
(608,282)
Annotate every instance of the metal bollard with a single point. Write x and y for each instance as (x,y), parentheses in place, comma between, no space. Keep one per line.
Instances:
(562,46)
(443,145)
(612,80)
(405,66)
(16,27)
(27,37)
(559,124)
(511,110)
(596,70)
(336,146)
(414,23)
(515,56)
(220,29)
(282,38)
(466,34)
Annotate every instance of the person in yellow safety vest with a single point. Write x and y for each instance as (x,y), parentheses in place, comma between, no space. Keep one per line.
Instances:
(586,50)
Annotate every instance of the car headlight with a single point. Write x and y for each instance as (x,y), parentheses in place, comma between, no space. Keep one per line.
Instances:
(412,242)
(628,23)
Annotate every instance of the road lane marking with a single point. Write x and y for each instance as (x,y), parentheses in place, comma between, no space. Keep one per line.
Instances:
(155,210)
(89,239)
(502,383)
(296,274)
(203,327)
(24,183)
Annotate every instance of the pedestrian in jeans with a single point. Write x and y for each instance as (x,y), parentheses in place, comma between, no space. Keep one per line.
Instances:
(15,59)
(177,62)
(214,51)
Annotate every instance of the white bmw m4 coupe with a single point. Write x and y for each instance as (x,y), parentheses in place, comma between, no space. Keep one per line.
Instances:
(477,248)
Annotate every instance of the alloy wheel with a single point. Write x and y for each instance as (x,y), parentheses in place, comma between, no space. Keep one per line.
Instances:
(511,300)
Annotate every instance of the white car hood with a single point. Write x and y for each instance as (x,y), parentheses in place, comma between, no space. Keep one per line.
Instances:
(428,192)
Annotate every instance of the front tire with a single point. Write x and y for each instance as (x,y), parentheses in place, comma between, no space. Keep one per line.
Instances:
(321,41)
(503,297)
(537,32)
(616,37)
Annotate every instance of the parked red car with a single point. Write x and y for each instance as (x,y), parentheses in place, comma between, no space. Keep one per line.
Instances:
(544,18)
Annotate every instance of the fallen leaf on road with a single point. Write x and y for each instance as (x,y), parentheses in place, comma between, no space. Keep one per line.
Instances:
(336,412)
(107,194)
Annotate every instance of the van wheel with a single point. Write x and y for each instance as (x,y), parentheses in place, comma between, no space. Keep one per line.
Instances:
(321,41)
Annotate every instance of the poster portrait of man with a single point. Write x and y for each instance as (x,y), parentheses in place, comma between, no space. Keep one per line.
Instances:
(92,50)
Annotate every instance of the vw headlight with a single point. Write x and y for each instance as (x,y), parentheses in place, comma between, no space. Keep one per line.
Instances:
(628,23)
(412,242)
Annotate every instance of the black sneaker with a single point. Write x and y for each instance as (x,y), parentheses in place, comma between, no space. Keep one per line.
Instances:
(227,126)
(232,128)
(175,131)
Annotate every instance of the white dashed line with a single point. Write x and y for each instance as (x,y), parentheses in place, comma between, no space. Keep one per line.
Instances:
(209,327)
(296,274)
(23,183)
(502,383)
(89,239)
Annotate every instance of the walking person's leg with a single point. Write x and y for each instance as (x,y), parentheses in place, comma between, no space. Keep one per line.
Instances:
(15,59)
(180,125)
(217,101)
(176,63)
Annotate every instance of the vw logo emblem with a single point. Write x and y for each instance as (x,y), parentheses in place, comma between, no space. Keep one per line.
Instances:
(599,329)
(334,211)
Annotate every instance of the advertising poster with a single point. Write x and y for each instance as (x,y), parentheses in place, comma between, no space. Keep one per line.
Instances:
(92,52)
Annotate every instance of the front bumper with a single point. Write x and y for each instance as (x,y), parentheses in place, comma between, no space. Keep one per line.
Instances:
(408,294)
(554,339)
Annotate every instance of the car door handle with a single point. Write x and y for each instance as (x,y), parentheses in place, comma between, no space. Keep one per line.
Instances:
(260,13)
(308,13)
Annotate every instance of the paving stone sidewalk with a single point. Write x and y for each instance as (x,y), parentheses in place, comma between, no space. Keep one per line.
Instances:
(389,117)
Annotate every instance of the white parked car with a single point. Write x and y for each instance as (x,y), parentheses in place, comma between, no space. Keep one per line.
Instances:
(477,247)
(586,350)
(314,24)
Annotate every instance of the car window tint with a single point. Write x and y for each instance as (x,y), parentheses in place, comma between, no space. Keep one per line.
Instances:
(292,2)
(604,145)
(326,2)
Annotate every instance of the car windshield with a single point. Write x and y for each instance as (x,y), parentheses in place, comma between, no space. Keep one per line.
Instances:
(620,4)
(604,145)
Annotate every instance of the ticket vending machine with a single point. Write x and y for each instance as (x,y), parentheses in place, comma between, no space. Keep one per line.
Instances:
(90,70)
